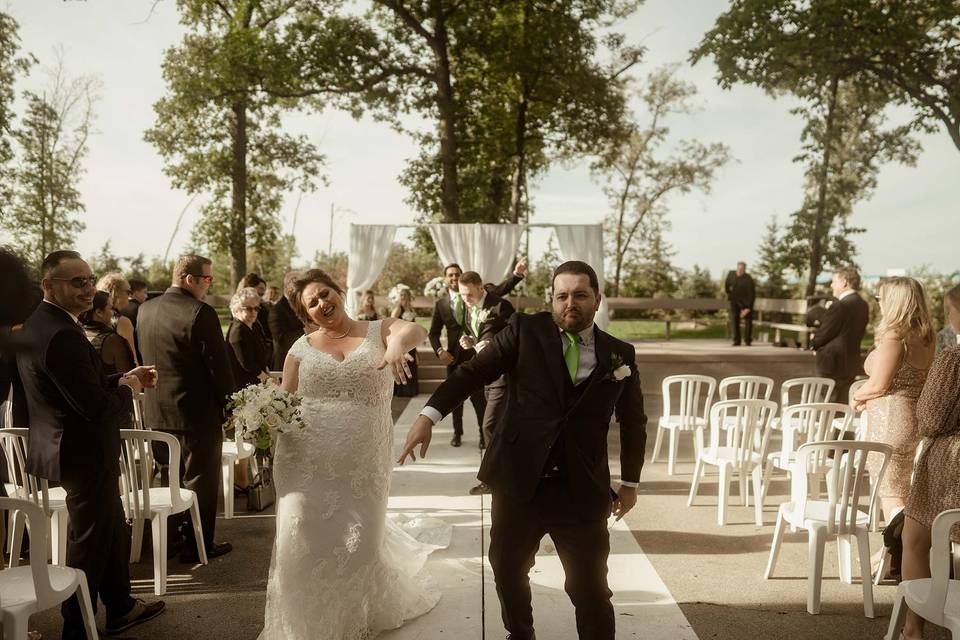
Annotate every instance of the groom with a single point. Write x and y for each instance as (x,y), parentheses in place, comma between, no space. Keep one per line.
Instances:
(547,467)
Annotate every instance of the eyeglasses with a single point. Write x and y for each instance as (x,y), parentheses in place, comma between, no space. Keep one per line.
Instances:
(79,282)
(200,276)
(254,309)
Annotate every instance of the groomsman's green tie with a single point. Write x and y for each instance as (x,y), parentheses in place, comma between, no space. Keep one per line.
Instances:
(571,355)
(475,320)
(458,309)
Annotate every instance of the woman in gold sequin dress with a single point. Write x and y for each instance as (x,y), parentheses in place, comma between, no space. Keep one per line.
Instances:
(905,344)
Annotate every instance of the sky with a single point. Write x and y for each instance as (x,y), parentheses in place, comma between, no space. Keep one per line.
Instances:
(911,220)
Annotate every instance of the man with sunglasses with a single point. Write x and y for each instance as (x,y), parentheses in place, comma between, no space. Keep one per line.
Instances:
(75,415)
(181,335)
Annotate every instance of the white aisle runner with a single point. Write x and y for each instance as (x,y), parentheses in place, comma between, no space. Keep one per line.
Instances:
(438,487)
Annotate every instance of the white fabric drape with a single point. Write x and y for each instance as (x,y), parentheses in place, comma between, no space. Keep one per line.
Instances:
(369,248)
(488,249)
(585,242)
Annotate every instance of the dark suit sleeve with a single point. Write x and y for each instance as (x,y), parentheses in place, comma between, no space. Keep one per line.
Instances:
(728,283)
(248,356)
(208,337)
(751,293)
(68,363)
(633,427)
(830,326)
(497,321)
(498,358)
(506,287)
(275,322)
(436,327)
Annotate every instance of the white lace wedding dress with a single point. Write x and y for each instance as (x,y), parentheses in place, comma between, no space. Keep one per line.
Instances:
(341,570)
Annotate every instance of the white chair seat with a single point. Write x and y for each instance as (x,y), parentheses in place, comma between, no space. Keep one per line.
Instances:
(726,455)
(815,514)
(160,499)
(672,422)
(238,450)
(919,590)
(17,590)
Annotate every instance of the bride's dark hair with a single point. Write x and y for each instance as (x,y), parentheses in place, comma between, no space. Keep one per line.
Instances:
(302,281)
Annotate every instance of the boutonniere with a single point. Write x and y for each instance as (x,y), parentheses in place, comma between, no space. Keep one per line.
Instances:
(483,315)
(618,369)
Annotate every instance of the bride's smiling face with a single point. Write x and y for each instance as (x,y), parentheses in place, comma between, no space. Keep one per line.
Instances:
(324,305)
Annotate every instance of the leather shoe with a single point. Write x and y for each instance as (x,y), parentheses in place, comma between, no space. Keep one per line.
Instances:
(213,551)
(141,612)
(455,440)
(483,488)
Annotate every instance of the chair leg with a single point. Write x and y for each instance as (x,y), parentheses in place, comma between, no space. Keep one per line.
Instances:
(672,454)
(723,492)
(19,523)
(16,626)
(198,532)
(695,482)
(897,617)
(816,542)
(136,540)
(656,444)
(882,569)
(765,483)
(845,559)
(742,480)
(863,548)
(86,607)
(757,503)
(58,538)
(775,545)
(227,476)
(159,526)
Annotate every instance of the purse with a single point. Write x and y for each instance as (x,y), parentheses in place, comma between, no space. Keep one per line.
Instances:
(262,492)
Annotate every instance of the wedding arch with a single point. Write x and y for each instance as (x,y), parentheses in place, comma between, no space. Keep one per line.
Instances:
(488,249)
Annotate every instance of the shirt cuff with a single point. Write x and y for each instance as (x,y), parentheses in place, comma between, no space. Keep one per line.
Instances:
(633,485)
(432,414)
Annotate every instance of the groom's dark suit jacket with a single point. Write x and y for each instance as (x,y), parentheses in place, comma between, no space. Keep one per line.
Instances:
(546,413)
(837,341)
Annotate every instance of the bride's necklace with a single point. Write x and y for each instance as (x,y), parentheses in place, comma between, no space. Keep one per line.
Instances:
(342,335)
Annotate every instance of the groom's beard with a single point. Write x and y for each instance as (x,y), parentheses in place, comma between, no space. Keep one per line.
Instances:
(573,322)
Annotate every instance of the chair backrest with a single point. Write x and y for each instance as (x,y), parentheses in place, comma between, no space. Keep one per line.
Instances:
(746,388)
(136,469)
(39,545)
(843,463)
(854,387)
(941,558)
(695,395)
(6,409)
(138,422)
(741,421)
(13,441)
(813,422)
(807,390)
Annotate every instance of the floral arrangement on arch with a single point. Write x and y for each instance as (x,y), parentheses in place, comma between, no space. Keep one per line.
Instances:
(262,411)
(436,288)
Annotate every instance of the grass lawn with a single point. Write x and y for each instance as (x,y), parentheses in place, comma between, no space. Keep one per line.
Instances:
(653,329)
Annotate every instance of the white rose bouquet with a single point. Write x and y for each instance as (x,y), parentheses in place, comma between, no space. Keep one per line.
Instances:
(436,288)
(262,411)
(394,295)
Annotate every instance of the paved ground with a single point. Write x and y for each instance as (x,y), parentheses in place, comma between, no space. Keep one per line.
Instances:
(676,573)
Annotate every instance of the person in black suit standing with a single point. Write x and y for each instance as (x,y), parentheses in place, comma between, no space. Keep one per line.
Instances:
(837,341)
(547,465)
(449,313)
(75,415)
(742,293)
(285,326)
(181,335)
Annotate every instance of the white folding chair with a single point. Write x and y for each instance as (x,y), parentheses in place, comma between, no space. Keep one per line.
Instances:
(232,453)
(695,395)
(744,419)
(746,388)
(843,462)
(936,598)
(141,502)
(39,586)
(6,410)
(138,422)
(53,501)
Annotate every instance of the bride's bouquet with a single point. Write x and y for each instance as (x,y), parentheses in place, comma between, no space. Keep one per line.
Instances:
(436,288)
(260,412)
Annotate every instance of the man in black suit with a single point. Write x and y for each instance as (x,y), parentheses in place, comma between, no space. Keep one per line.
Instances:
(449,313)
(75,416)
(181,336)
(837,341)
(742,293)
(138,295)
(285,327)
(547,465)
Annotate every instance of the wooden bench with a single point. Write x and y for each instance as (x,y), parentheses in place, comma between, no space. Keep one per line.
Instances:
(776,305)
(667,305)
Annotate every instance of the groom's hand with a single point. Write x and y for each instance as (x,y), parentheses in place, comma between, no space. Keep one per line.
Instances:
(626,499)
(420,433)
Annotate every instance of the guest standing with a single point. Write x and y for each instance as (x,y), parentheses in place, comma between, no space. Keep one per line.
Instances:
(285,326)
(263,308)
(181,335)
(119,289)
(75,413)
(742,293)
(273,294)
(936,482)
(113,350)
(247,352)
(404,310)
(368,307)
(947,337)
(138,295)
(837,341)
(20,296)
(898,369)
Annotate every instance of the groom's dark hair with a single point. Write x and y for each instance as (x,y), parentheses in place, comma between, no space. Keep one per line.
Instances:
(579,268)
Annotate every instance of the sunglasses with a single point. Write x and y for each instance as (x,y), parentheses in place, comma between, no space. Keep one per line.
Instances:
(79,282)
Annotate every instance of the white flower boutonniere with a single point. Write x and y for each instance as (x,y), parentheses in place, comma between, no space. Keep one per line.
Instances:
(618,369)
(483,315)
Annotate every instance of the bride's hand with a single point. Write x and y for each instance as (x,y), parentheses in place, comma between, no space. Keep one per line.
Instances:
(398,361)
(420,433)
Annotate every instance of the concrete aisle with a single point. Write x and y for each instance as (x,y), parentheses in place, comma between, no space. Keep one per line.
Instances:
(438,487)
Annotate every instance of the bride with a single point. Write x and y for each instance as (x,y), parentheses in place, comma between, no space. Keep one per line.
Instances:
(341,570)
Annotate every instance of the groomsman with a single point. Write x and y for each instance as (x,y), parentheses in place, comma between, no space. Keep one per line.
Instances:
(449,314)
(284,325)
(837,341)
(742,293)
(181,335)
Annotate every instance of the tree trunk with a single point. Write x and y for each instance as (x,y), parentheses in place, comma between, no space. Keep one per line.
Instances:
(450,193)
(816,243)
(238,213)
(520,132)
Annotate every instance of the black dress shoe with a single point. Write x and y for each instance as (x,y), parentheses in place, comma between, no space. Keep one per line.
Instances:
(213,551)
(141,612)
(455,440)
(483,488)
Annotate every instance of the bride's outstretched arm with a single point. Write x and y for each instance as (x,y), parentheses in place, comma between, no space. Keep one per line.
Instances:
(291,374)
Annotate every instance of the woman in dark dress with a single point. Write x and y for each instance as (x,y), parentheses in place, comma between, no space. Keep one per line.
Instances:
(247,351)
(404,311)
(368,307)
(113,349)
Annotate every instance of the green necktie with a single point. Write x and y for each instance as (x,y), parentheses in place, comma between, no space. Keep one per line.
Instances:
(458,309)
(571,355)
(475,320)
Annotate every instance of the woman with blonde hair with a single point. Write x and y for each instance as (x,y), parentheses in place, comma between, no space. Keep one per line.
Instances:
(117,287)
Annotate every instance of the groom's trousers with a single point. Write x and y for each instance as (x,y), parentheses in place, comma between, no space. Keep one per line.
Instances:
(583,547)
(476,399)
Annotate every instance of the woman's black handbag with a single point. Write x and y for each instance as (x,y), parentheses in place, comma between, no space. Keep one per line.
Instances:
(892,541)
